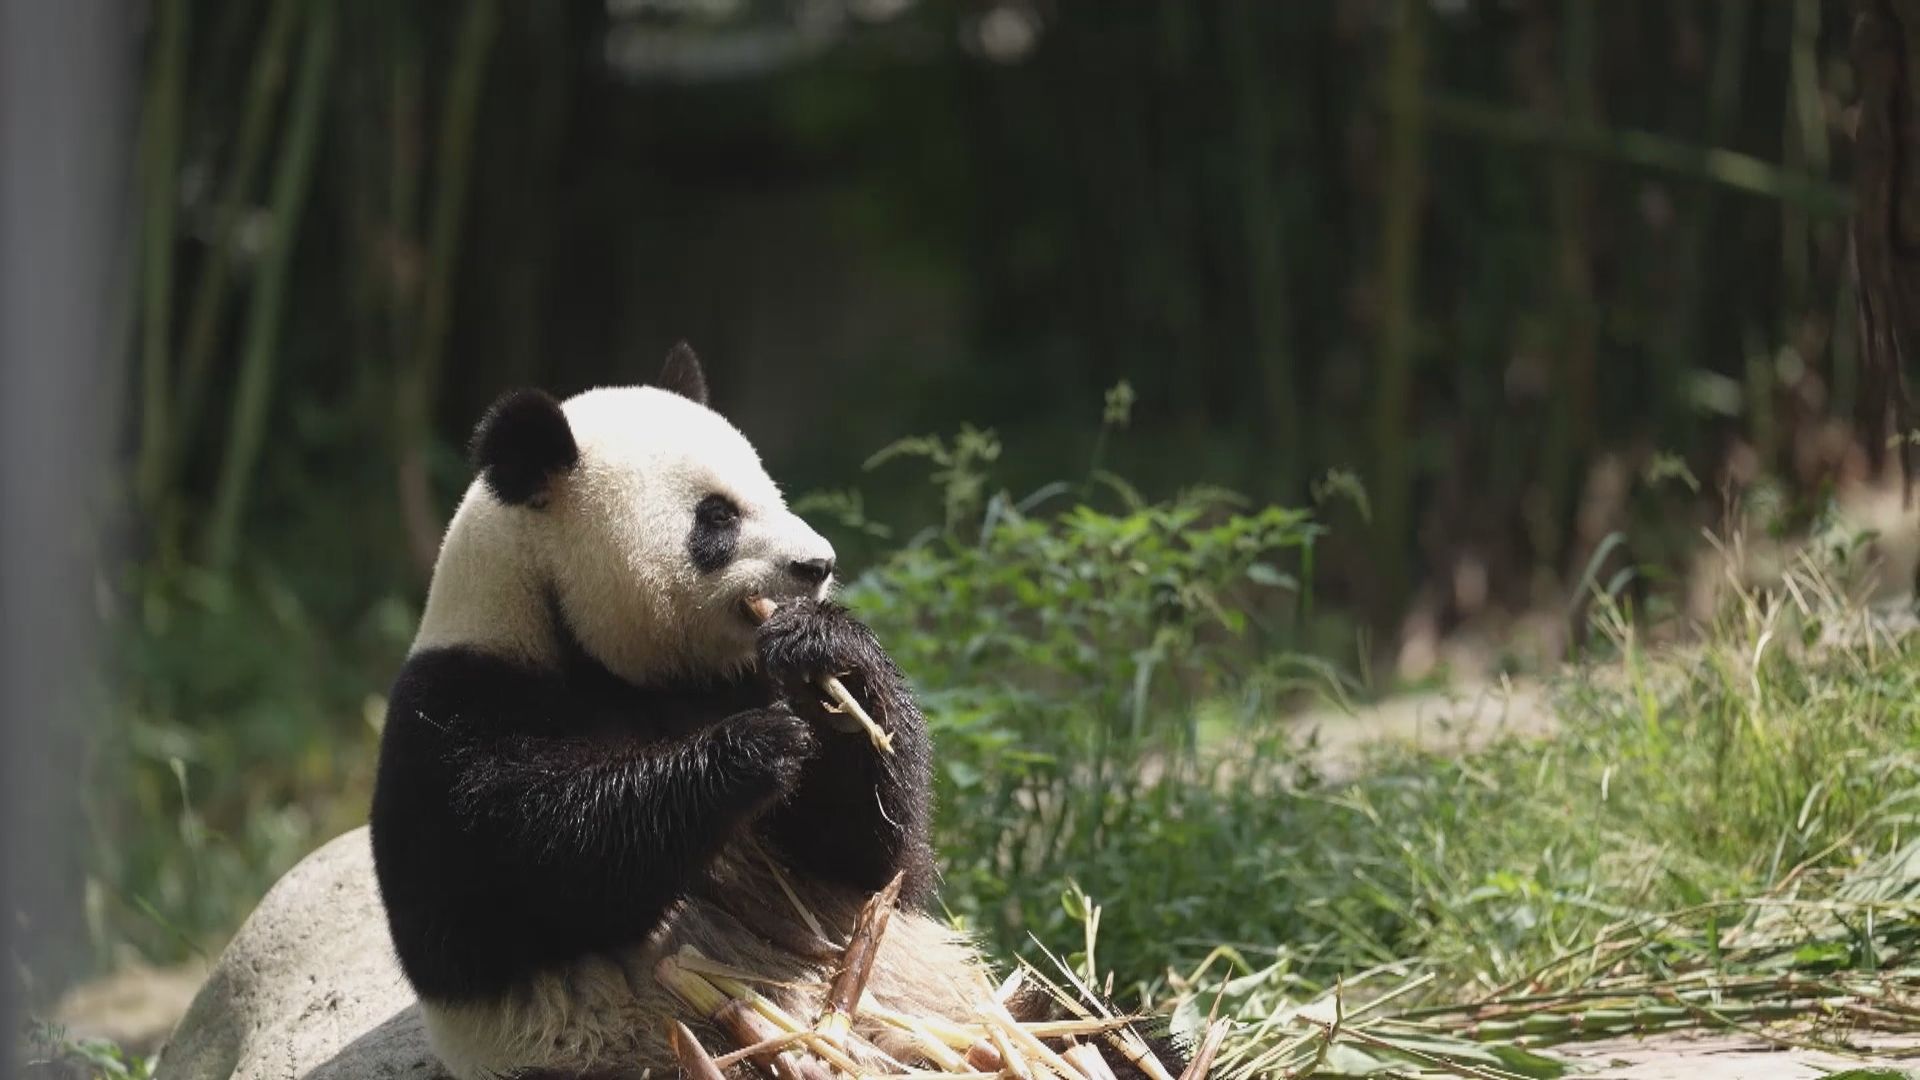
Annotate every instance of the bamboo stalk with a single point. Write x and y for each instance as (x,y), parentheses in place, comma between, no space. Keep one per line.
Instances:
(972,1041)
(419,383)
(767,1045)
(936,1051)
(956,1036)
(1403,194)
(779,1017)
(1646,149)
(1063,1029)
(800,909)
(734,1009)
(1270,299)
(1086,1057)
(1807,152)
(451,159)
(1695,261)
(254,390)
(1573,311)
(1123,1038)
(837,691)
(930,1044)
(1023,1041)
(160,152)
(856,964)
(1010,1059)
(986,1057)
(207,310)
(693,1057)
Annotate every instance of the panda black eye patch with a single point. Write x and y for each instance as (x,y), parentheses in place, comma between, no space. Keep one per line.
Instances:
(715,535)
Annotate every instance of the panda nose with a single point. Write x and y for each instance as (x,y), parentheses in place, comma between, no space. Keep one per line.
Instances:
(811,571)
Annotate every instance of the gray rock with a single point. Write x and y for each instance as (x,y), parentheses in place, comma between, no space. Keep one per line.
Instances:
(308,989)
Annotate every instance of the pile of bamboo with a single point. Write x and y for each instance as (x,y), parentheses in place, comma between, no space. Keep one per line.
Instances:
(772,1042)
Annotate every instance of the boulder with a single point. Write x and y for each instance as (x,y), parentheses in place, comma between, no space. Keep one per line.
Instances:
(309,988)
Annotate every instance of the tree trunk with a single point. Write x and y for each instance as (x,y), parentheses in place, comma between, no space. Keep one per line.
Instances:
(1402,193)
(1886,228)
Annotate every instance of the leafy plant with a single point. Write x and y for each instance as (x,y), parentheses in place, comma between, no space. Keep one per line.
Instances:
(241,735)
(1070,656)
(98,1059)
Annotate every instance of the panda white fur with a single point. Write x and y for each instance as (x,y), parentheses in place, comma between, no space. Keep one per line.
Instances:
(592,754)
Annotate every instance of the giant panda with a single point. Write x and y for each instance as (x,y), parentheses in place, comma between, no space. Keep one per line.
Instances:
(594,756)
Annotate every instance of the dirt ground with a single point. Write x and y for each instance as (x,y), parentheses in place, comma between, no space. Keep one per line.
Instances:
(1726,1056)
(1455,720)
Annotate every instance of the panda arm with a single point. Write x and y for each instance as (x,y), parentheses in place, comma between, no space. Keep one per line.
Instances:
(856,815)
(533,776)
(514,829)
(645,816)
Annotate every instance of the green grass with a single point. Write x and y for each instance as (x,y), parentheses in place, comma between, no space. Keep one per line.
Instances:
(237,738)
(1721,835)
(1717,834)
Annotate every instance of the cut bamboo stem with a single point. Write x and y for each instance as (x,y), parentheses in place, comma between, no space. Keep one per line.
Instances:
(1010,1059)
(839,697)
(955,1036)
(856,964)
(1123,1038)
(782,1020)
(778,1042)
(1061,1029)
(1086,1058)
(1010,987)
(800,909)
(971,1041)
(1022,1041)
(693,1058)
(737,1015)
(837,691)
(935,1050)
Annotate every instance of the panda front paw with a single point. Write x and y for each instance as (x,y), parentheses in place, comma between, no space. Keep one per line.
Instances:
(807,640)
(769,745)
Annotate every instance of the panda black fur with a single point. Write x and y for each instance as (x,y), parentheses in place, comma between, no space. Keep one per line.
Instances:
(592,757)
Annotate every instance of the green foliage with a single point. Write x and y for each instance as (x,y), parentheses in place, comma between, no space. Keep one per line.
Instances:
(1105,685)
(96,1059)
(1716,834)
(1064,658)
(960,466)
(241,735)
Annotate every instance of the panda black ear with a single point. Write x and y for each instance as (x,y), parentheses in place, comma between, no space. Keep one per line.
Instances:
(521,445)
(681,374)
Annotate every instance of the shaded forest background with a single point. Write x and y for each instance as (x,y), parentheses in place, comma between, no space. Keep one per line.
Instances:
(1469,251)
(1486,283)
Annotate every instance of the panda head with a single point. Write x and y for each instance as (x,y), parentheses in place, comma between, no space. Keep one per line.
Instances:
(636,516)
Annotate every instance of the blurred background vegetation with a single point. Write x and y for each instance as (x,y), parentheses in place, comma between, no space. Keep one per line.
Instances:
(1506,296)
